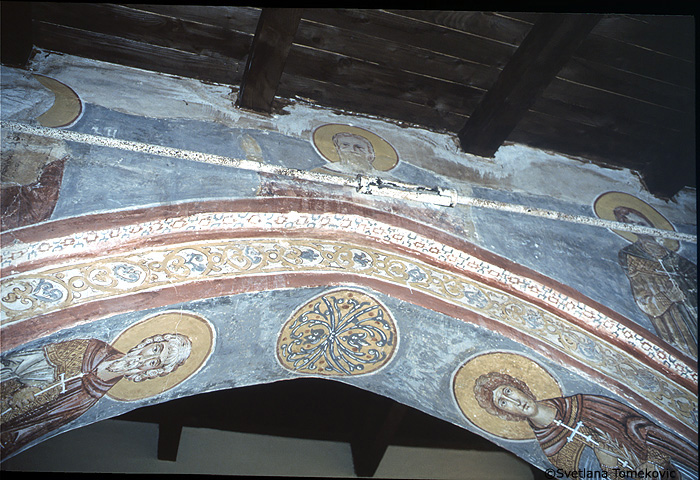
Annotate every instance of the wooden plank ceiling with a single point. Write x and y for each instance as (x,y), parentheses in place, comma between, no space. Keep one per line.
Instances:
(618,90)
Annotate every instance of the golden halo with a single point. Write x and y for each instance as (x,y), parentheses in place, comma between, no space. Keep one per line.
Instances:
(606,203)
(199,331)
(385,157)
(541,383)
(66,108)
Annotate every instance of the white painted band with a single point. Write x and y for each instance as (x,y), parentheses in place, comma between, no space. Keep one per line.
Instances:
(363,184)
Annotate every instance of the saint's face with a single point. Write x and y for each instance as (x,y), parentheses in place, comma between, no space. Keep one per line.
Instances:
(354,149)
(353,145)
(635,219)
(652,243)
(142,359)
(512,400)
(153,355)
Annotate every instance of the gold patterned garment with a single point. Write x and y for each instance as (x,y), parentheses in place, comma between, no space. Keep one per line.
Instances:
(33,409)
(664,286)
(67,357)
(20,394)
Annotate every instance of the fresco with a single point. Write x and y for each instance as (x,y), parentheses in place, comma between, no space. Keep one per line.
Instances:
(26,204)
(32,171)
(67,106)
(275,249)
(663,283)
(353,150)
(345,332)
(511,396)
(275,279)
(43,389)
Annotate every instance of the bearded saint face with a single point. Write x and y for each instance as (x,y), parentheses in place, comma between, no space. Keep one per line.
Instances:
(354,150)
(153,357)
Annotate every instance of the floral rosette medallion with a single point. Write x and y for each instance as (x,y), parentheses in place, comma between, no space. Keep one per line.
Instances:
(342,332)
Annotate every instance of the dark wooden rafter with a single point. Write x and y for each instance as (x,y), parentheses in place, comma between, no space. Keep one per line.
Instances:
(667,172)
(16,31)
(626,99)
(267,57)
(169,433)
(373,433)
(548,46)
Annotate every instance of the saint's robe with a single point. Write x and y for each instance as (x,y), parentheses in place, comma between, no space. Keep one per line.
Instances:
(56,406)
(611,430)
(664,286)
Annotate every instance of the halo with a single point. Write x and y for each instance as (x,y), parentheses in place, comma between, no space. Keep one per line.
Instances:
(606,203)
(66,108)
(541,383)
(385,157)
(199,331)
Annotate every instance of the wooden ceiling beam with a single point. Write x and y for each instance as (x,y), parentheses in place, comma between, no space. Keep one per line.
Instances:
(545,50)
(268,54)
(374,429)
(671,167)
(169,433)
(16,32)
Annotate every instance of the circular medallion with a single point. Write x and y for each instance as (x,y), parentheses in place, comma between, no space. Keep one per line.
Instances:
(357,148)
(197,329)
(342,332)
(605,205)
(540,382)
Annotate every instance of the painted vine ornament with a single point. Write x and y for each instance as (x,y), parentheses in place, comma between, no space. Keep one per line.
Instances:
(577,433)
(78,270)
(343,332)
(53,287)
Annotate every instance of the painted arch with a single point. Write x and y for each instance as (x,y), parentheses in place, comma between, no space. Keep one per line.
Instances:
(228,277)
(62,276)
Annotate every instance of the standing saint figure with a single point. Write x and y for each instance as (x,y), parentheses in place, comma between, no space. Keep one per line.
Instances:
(588,432)
(45,388)
(664,284)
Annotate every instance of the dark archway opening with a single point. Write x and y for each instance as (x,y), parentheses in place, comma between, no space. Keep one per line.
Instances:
(314,409)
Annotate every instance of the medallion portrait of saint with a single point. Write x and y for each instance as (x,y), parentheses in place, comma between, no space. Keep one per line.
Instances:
(663,283)
(511,396)
(45,388)
(353,150)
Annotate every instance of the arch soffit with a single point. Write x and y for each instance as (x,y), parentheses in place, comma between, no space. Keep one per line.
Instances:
(169,254)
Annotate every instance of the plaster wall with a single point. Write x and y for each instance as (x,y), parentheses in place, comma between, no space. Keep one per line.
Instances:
(432,342)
